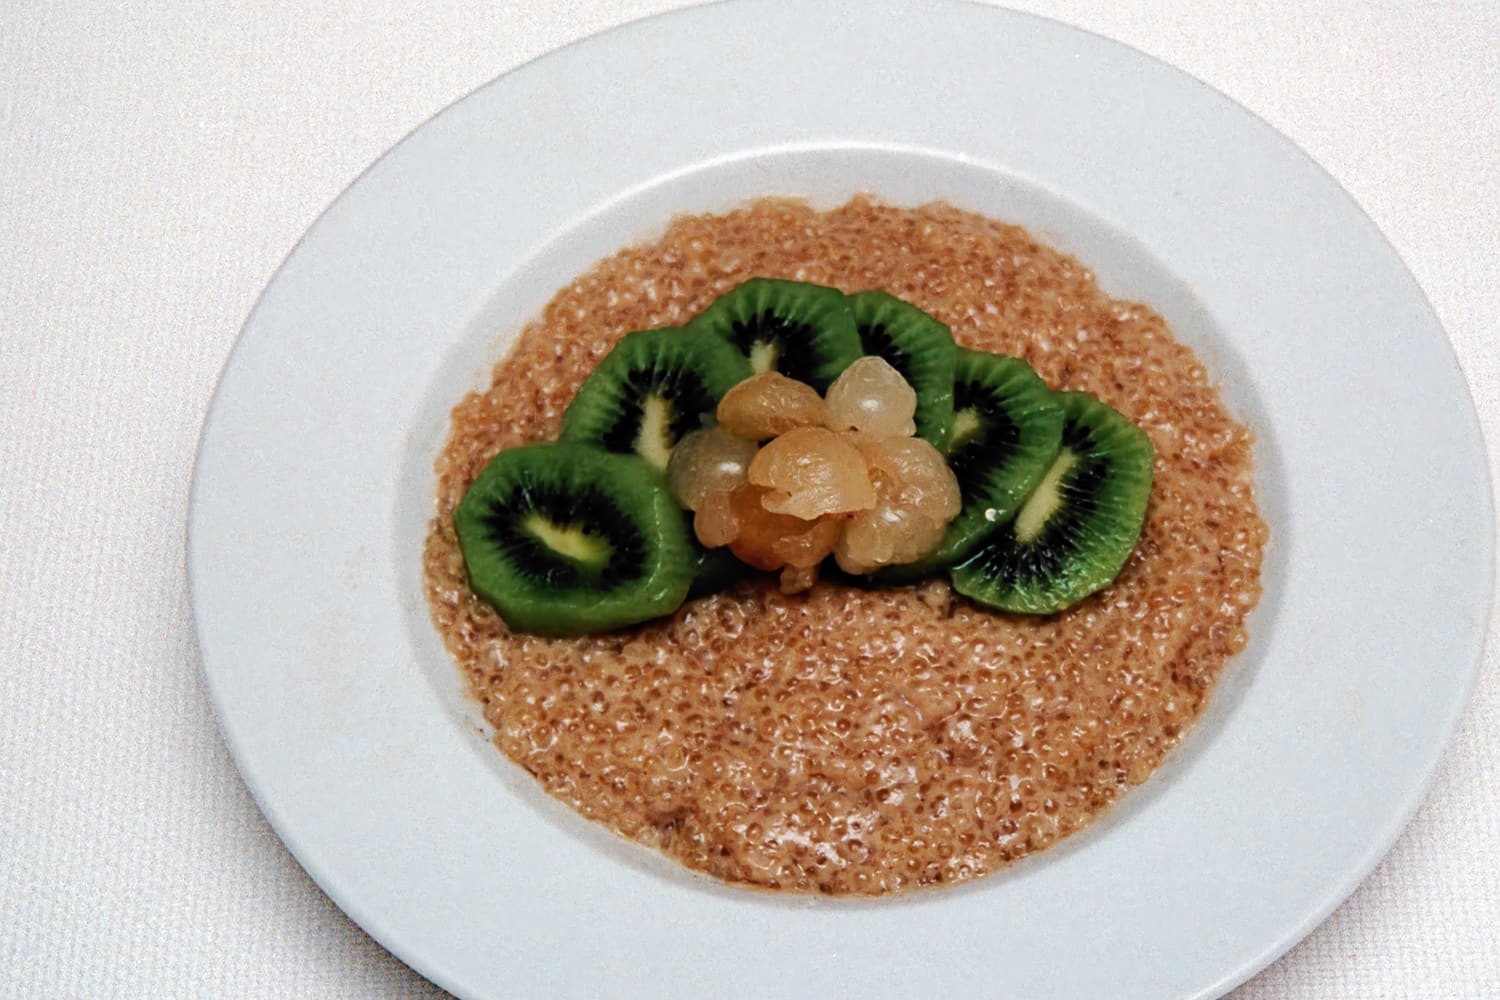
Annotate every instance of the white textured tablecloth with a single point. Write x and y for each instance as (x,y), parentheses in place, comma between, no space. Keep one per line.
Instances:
(157,161)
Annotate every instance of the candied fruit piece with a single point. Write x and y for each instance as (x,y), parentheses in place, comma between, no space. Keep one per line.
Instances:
(769,541)
(811,471)
(810,547)
(796,579)
(715,523)
(918,495)
(871,396)
(890,533)
(708,463)
(921,474)
(768,404)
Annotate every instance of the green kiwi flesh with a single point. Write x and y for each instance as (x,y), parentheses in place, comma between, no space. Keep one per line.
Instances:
(1007,427)
(567,539)
(1076,531)
(802,330)
(917,346)
(654,387)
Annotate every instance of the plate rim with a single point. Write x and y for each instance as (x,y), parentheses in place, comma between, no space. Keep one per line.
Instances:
(373,925)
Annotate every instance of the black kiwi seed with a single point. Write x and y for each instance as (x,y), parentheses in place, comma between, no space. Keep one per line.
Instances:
(565,539)
(919,348)
(1007,426)
(654,387)
(1075,532)
(802,330)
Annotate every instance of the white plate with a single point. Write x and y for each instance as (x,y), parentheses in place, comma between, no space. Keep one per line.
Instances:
(314,480)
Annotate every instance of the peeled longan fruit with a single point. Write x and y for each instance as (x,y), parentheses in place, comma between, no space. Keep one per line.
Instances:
(769,404)
(810,472)
(872,397)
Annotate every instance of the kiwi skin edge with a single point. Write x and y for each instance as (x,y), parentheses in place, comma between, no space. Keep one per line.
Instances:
(920,348)
(803,330)
(651,559)
(650,390)
(1016,424)
(1076,532)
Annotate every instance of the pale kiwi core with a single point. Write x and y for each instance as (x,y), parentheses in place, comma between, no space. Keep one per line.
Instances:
(851,740)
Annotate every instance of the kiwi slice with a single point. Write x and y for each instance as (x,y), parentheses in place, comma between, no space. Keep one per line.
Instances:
(1007,426)
(653,388)
(1075,532)
(917,346)
(564,539)
(804,331)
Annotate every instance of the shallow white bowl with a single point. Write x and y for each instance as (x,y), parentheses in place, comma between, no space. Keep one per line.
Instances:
(313,489)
